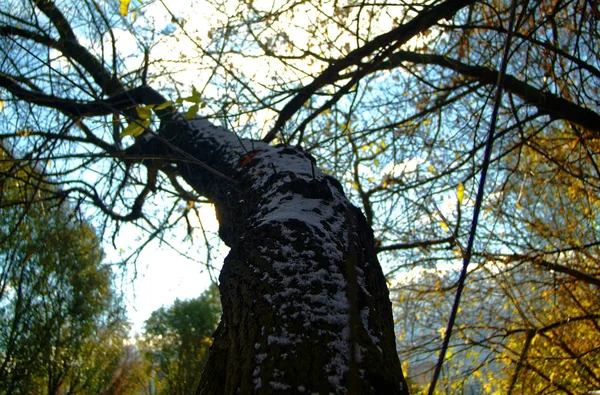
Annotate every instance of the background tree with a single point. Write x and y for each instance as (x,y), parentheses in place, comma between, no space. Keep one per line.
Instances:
(176,340)
(131,376)
(393,100)
(62,324)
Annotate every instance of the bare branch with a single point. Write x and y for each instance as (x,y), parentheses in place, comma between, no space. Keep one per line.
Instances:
(109,83)
(538,261)
(385,44)
(548,103)
(115,104)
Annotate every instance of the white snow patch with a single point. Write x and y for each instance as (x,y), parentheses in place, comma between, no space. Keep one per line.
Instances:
(259,358)
(364,316)
(284,338)
(268,297)
(279,386)
(335,370)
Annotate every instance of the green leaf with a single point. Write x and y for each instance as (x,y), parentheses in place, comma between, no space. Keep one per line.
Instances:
(191,99)
(164,105)
(195,98)
(135,128)
(193,110)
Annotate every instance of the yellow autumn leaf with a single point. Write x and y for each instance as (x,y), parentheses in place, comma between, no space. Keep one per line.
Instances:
(124,7)
(460,192)
(574,143)
(431,169)
(136,128)
(163,105)
(144,112)
(444,226)
(442,332)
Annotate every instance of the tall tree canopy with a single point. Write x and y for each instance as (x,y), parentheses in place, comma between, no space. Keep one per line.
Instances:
(396,101)
(176,341)
(62,325)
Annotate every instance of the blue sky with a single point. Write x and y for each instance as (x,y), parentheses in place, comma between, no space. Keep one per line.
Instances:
(160,274)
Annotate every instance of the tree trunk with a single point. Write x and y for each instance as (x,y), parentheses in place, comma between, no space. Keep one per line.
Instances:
(305,304)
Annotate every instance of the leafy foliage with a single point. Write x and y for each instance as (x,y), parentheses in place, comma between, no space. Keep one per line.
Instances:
(62,326)
(176,341)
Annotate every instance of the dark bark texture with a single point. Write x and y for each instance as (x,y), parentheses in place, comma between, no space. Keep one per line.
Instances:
(305,303)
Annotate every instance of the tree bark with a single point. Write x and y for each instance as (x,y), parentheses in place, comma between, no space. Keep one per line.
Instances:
(305,304)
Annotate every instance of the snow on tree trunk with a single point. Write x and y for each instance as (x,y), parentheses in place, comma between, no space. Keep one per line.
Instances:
(305,304)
